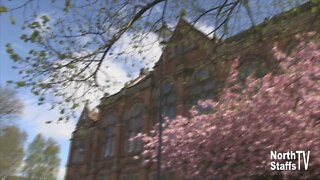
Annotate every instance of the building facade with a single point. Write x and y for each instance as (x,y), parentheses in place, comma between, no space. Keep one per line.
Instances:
(194,67)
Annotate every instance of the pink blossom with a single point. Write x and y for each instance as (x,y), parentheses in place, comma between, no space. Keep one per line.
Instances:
(276,112)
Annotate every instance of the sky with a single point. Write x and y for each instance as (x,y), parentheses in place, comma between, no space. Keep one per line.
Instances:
(34,117)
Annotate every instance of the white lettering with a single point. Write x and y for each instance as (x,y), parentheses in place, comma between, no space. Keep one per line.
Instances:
(294,167)
(306,160)
(273,166)
(273,154)
(287,164)
(299,152)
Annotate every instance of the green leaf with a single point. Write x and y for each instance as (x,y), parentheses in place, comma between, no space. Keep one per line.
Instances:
(31,51)
(67,5)
(14,57)
(245,4)
(34,35)
(45,19)
(12,20)
(34,25)
(24,37)
(41,99)
(314,9)
(147,23)
(36,93)
(62,56)
(71,66)
(183,13)
(3,9)
(75,105)
(20,84)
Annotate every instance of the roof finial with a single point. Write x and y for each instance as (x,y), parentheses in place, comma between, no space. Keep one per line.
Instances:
(164,33)
(86,105)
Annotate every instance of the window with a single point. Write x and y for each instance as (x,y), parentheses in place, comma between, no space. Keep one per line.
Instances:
(181,48)
(168,99)
(249,69)
(104,175)
(202,88)
(79,151)
(166,175)
(103,178)
(130,175)
(253,67)
(110,135)
(134,126)
(92,167)
(290,46)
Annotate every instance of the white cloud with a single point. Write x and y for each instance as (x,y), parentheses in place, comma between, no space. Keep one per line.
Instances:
(35,118)
(61,173)
(56,130)
(115,72)
(147,52)
(205,28)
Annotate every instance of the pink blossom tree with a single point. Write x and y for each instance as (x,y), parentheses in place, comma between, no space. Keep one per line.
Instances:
(278,112)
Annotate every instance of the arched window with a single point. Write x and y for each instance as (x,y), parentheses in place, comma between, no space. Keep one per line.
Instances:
(134,126)
(168,100)
(255,66)
(78,155)
(110,135)
(104,175)
(290,46)
(251,68)
(202,87)
(130,175)
(165,175)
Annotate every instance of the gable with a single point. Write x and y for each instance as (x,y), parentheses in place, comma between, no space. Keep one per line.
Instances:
(185,38)
(87,116)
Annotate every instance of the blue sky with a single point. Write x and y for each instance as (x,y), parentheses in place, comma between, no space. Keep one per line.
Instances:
(34,117)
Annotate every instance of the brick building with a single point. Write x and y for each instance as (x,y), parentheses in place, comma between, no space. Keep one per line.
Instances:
(194,67)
